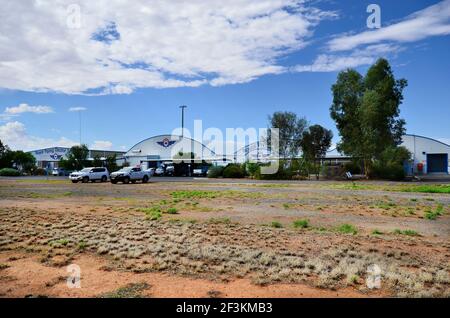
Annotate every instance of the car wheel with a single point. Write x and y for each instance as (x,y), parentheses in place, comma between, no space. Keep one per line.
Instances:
(126,180)
(145,179)
(85,180)
(104,178)
(74,181)
(114,182)
(133,181)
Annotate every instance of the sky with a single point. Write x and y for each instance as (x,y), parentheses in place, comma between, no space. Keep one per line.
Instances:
(126,67)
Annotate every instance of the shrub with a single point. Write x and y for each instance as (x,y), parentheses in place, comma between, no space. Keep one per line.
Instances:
(302,224)
(332,171)
(252,169)
(9,172)
(215,172)
(172,211)
(276,224)
(389,171)
(433,214)
(347,229)
(283,173)
(233,171)
(353,167)
(39,172)
(406,232)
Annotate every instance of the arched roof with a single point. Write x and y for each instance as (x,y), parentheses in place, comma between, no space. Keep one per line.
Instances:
(428,138)
(166,146)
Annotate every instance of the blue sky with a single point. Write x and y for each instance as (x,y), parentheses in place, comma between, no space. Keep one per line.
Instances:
(232,65)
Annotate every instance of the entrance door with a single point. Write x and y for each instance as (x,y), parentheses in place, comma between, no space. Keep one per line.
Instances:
(437,163)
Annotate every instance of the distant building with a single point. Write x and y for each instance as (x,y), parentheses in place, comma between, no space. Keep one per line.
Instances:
(428,155)
(157,150)
(48,158)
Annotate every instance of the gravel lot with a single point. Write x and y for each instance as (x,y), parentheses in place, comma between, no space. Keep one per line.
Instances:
(220,236)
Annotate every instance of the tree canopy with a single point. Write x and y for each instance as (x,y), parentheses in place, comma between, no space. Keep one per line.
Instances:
(76,158)
(291,129)
(315,142)
(366,111)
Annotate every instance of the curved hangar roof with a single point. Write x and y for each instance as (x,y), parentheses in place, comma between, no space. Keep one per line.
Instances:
(166,147)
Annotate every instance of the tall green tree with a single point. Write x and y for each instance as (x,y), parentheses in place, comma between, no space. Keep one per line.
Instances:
(76,158)
(24,161)
(316,140)
(366,111)
(5,156)
(111,163)
(291,129)
(97,162)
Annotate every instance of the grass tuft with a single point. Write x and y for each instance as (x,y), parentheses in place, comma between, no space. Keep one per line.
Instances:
(301,224)
(347,229)
(406,232)
(276,224)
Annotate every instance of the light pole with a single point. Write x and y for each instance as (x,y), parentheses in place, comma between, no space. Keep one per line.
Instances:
(79,117)
(182,119)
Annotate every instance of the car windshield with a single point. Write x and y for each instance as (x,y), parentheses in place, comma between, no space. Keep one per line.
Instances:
(125,169)
(86,170)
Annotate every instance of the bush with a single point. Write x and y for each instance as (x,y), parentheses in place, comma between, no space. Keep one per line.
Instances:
(233,171)
(9,172)
(352,167)
(302,224)
(347,229)
(276,225)
(39,172)
(390,164)
(332,172)
(215,172)
(390,171)
(284,173)
(253,169)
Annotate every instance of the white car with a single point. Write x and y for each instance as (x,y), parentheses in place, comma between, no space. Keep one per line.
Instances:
(159,171)
(90,174)
(128,174)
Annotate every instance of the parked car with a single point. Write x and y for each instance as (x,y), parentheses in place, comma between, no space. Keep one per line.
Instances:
(170,170)
(128,174)
(201,172)
(90,174)
(159,171)
(151,171)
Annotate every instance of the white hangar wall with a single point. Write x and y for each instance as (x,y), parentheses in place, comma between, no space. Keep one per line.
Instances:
(432,154)
(164,148)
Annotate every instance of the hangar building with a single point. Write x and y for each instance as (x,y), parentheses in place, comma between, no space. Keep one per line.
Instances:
(48,158)
(154,151)
(428,155)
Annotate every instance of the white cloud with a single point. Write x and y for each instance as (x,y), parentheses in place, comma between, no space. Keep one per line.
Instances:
(148,44)
(14,134)
(334,62)
(101,145)
(25,108)
(432,21)
(77,109)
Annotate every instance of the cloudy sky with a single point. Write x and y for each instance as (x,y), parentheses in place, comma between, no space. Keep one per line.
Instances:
(125,67)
